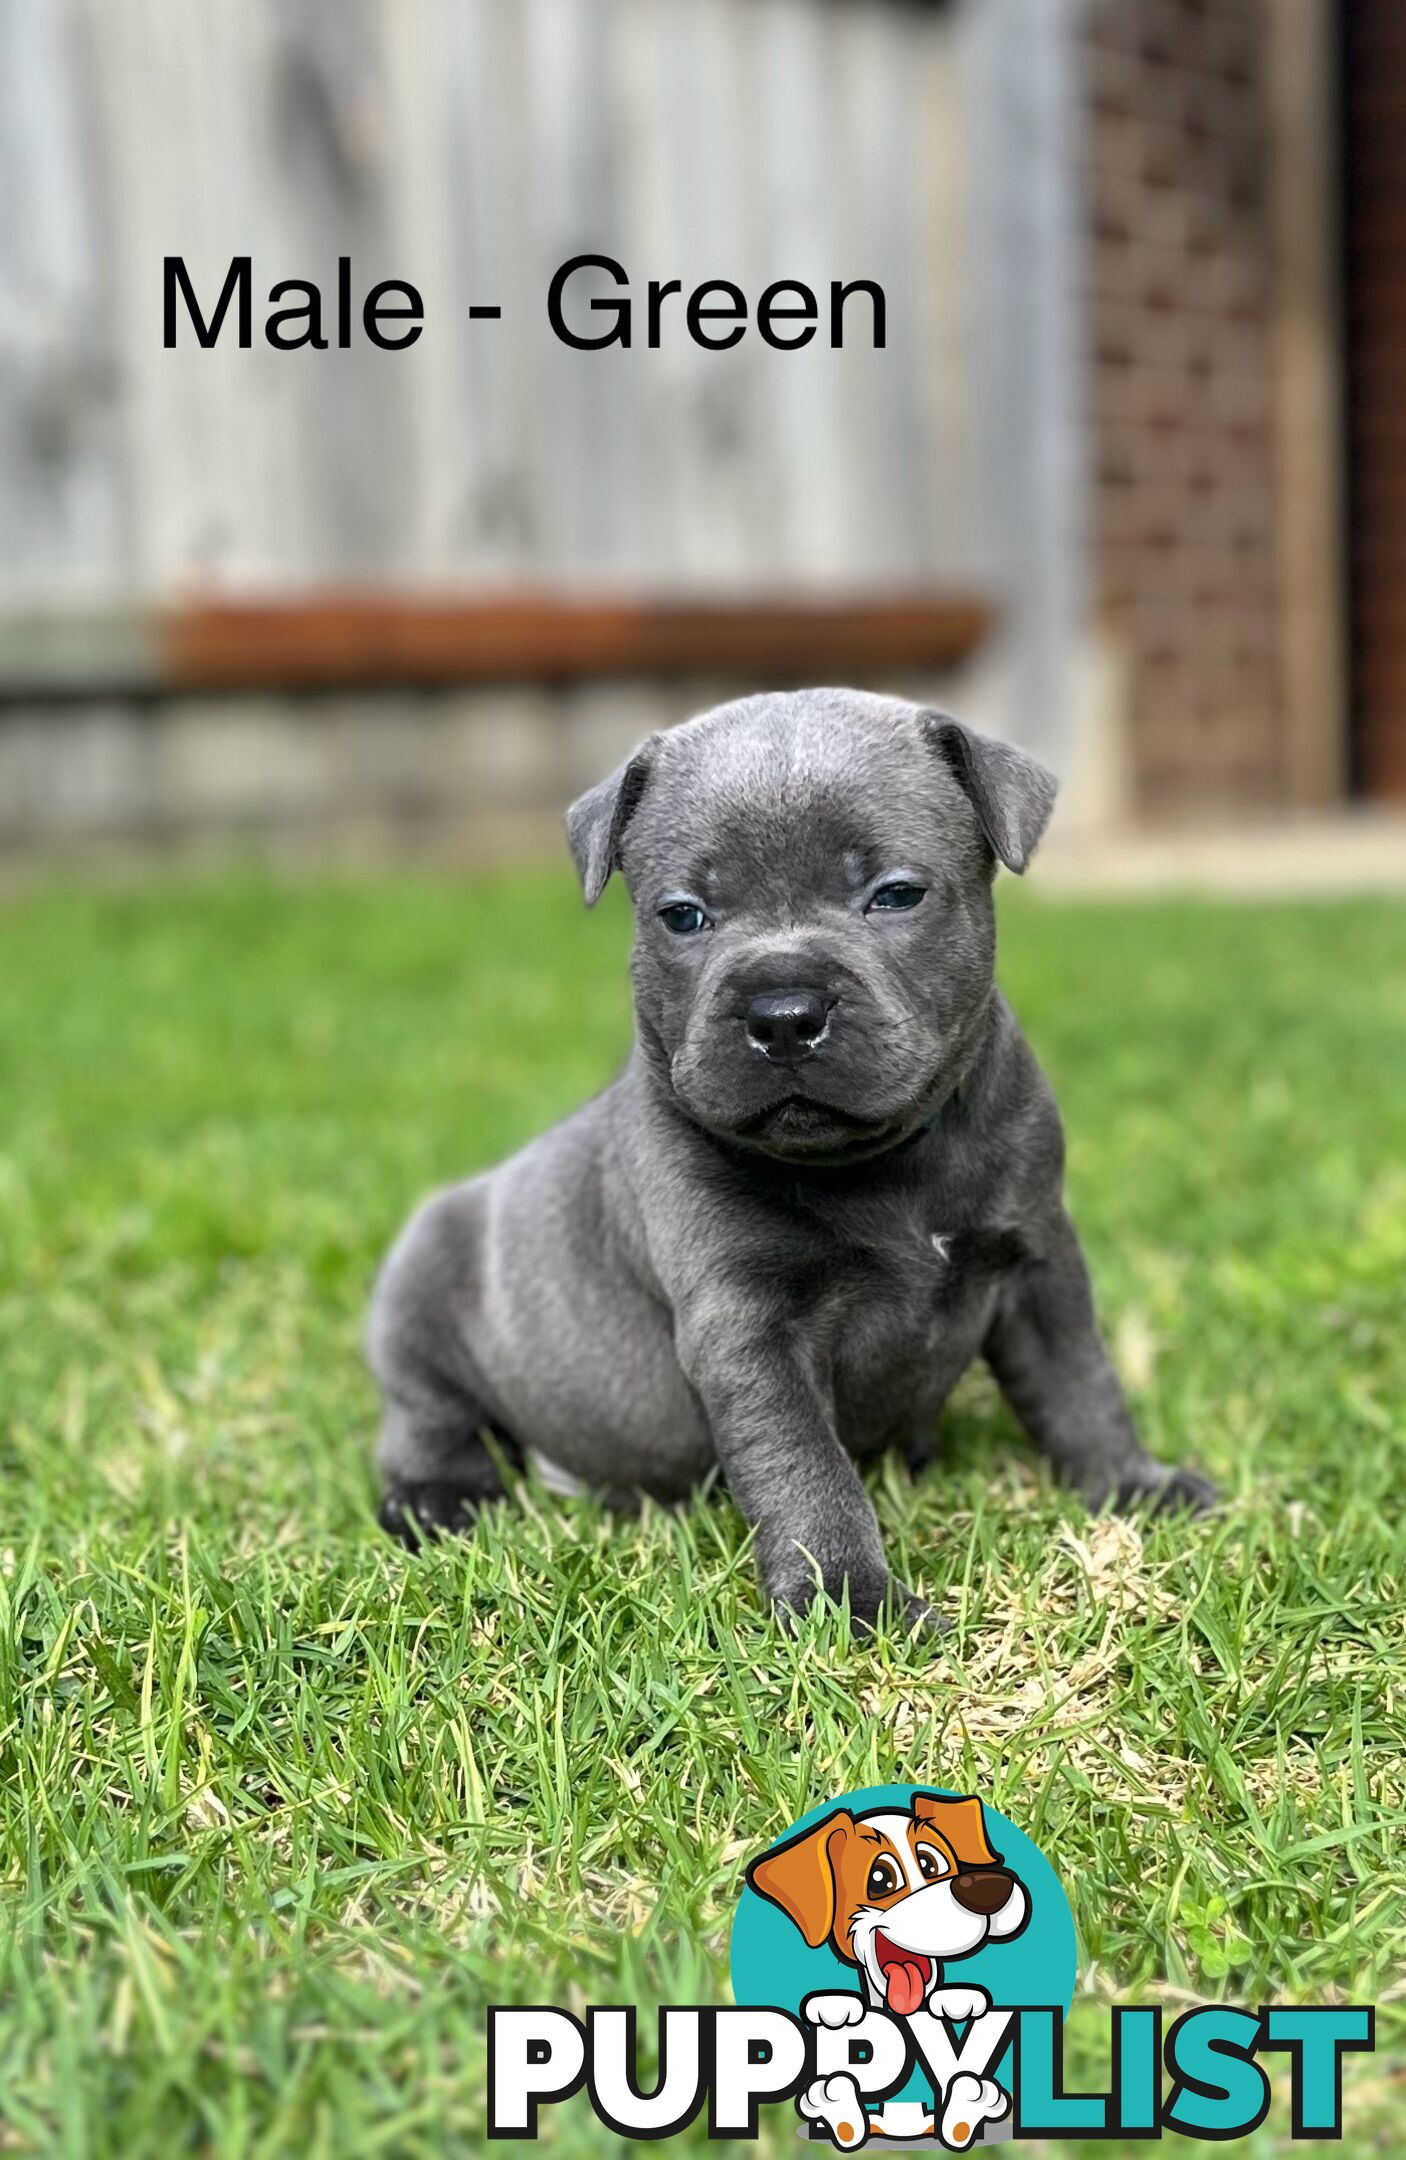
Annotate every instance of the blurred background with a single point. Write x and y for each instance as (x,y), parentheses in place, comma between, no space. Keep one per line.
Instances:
(1126,484)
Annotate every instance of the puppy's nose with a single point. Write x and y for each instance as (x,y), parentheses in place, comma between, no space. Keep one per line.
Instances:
(983,1891)
(786,1025)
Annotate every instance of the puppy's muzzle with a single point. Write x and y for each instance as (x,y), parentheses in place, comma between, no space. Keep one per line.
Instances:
(787,1025)
(982,1890)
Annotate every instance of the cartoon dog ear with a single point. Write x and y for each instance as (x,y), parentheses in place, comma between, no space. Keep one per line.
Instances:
(799,1876)
(596,821)
(962,1823)
(1011,792)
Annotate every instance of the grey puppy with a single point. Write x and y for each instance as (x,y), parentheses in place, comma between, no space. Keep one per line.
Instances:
(828,1178)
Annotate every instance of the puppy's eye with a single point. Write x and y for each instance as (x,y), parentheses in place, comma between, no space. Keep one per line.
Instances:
(898,895)
(883,1877)
(930,1865)
(683,917)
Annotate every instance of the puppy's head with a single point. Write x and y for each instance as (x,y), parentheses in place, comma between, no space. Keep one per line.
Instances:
(811,877)
(897,1895)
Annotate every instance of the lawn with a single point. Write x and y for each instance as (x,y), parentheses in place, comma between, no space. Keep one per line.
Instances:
(281,1809)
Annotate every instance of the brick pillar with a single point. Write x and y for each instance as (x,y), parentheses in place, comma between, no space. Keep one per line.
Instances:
(1180,254)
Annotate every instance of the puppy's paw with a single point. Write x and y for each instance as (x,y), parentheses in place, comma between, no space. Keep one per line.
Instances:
(834,2011)
(415,1513)
(871,1605)
(795,1590)
(1187,1492)
(1159,1487)
(959,2003)
(969,2102)
(836,2101)
(914,1616)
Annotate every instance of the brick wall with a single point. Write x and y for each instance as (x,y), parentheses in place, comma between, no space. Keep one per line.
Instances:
(1181,392)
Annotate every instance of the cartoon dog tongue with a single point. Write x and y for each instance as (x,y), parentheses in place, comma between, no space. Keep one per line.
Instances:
(903,1982)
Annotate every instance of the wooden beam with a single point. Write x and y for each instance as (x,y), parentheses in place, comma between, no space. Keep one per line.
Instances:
(349,640)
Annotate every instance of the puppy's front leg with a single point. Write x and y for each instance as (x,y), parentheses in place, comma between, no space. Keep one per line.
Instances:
(1046,1352)
(775,1437)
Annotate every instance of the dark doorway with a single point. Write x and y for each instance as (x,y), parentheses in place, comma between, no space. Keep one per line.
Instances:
(1374,203)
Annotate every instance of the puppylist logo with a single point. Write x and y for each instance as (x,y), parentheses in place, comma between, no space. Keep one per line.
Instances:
(924,1924)
(902,1964)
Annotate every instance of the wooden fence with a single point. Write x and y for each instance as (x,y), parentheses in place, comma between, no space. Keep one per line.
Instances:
(471,146)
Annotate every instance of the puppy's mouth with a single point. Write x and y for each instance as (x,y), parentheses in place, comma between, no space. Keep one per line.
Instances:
(800,1113)
(907,1974)
(802,1125)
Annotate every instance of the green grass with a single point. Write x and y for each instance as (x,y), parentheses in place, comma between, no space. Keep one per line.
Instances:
(281,1809)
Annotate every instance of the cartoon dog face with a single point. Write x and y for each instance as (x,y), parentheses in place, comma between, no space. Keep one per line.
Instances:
(896,1894)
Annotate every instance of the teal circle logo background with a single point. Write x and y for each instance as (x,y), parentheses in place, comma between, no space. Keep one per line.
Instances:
(772,1963)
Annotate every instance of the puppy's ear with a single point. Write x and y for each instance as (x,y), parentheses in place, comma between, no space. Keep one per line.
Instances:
(961,1822)
(1011,792)
(596,821)
(799,1876)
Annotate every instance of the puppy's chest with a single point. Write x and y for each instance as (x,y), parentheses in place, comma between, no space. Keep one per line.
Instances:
(920,1286)
(897,1342)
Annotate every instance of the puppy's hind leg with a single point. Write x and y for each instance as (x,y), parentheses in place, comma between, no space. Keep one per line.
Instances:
(1045,1350)
(440,1462)
(435,1455)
